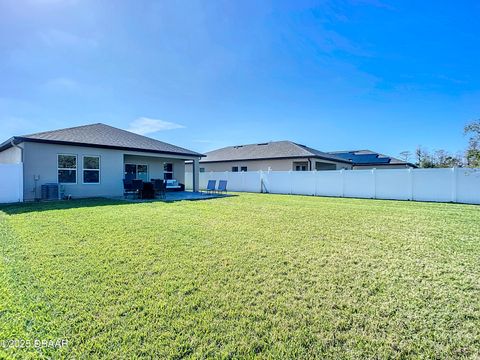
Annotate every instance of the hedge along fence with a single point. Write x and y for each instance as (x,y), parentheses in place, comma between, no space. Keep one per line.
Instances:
(441,185)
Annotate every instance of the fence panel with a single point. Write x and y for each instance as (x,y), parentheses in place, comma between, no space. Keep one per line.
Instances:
(329,183)
(359,183)
(393,184)
(11,183)
(278,182)
(432,185)
(468,186)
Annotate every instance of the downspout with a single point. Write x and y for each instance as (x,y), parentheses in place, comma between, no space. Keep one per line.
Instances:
(309,164)
(12,142)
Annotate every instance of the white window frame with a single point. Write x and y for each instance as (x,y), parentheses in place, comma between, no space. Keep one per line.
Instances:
(168,172)
(76,169)
(99,167)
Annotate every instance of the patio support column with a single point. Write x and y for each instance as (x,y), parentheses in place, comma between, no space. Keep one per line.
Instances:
(196,174)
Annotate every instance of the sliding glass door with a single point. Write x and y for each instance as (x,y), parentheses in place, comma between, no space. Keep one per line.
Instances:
(136,171)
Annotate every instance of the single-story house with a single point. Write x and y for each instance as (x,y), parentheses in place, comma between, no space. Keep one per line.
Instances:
(274,155)
(368,159)
(93,160)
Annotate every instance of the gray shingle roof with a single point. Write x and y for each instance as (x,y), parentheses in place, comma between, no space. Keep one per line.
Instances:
(101,135)
(270,150)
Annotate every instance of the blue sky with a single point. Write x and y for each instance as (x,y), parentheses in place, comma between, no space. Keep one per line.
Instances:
(334,75)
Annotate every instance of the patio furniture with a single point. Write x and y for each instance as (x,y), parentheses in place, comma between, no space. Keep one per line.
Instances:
(137,186)
(222,186)
(159,186)
(148,191)
(211,186)
(174,185)
(128,188)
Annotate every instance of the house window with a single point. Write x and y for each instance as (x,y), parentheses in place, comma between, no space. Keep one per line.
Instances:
(136,171)
(243,168)
(91,169)
(234,168)
(168,171)
(67,169)
(202,169)
(300,166)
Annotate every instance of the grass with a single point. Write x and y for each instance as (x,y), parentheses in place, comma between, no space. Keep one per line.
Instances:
(266,276)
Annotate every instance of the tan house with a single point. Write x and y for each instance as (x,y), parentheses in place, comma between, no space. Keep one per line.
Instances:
(93,160)
(275,155)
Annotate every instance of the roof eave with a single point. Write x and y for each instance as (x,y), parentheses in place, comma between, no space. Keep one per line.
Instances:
(72,143)
(8,143)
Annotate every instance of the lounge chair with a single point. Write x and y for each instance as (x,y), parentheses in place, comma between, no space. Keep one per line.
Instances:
(222,186)
(211,186)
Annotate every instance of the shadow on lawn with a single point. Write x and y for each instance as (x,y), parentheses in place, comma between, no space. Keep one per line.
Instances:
(22,208)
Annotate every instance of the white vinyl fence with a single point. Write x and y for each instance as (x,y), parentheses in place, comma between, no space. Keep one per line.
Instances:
(11,183)
(442,185)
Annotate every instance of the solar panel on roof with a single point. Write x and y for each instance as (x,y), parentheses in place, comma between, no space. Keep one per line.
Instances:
(364,158)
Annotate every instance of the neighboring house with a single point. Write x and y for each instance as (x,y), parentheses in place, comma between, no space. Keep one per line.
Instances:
(92,160)
(275,155)
(367,159)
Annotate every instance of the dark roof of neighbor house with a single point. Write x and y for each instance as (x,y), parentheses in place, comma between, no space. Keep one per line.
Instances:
(103,136)
(269,150)
(369,157)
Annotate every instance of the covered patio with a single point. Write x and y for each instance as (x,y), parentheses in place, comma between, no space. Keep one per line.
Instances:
(177,196)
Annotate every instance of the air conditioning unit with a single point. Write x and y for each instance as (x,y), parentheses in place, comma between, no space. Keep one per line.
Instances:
(50,191)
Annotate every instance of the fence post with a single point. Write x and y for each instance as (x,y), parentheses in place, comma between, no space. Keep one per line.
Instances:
(291,181)
(315,180)
(410,180)
(20,182)
(374,174)
(342,174)
(454,185)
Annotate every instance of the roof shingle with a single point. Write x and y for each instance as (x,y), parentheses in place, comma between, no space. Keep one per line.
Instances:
(270,150)
(102,135)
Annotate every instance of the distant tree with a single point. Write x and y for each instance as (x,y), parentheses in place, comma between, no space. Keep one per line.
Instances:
(439,159)
(423,158)
(442,159)
(473,151)
(406,155)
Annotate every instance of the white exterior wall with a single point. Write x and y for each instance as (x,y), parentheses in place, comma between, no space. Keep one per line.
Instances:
(12,155)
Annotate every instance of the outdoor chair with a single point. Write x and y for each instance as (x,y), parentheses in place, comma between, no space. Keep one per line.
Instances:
(160,187)
(211,186)
(137,186)
(222,186)
(128,188)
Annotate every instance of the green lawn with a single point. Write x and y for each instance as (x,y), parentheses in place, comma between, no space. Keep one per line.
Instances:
(254,275)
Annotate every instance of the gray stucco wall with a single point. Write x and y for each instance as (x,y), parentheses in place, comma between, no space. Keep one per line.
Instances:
(41,160)
(12,155)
